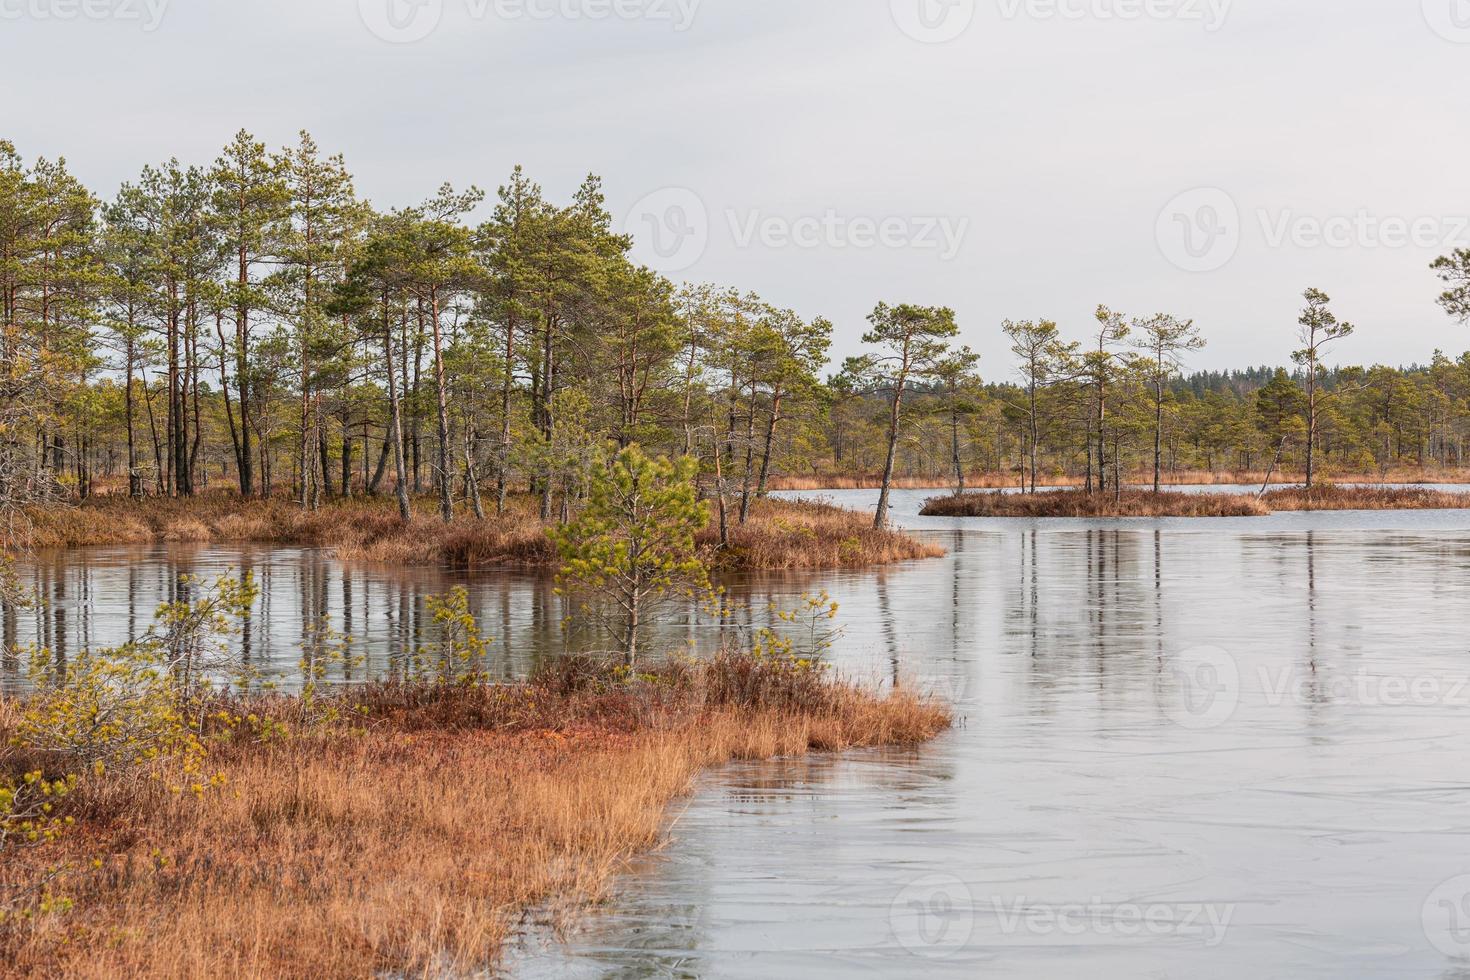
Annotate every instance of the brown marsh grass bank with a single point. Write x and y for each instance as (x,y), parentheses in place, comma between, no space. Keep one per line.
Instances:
(415,842)
(1330,497)
(1079,503)
(1009,480)
(779,535)
(1143,503)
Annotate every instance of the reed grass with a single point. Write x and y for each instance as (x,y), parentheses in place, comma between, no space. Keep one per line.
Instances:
(417,844)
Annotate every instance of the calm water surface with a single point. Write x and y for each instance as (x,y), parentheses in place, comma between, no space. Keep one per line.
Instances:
(1188,748)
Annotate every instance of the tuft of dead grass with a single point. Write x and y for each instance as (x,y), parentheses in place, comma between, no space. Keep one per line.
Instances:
(1078,503)
(415,845)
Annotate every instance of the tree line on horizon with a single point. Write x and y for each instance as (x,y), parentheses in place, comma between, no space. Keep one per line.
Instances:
(255,324)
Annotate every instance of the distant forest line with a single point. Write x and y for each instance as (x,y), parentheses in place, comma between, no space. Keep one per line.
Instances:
(252,323)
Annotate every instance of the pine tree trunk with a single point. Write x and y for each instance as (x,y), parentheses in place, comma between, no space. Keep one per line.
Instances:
(880,520)
(395,432)
(446,503)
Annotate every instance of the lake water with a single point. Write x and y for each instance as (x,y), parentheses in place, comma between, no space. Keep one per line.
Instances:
(1187,748)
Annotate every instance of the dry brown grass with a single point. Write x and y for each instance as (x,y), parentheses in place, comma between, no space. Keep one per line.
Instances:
(789,535)
(1330,497)
(416,846)
(1077,503)
(1142,503)
(872,481)
(1006,480)
(779,535)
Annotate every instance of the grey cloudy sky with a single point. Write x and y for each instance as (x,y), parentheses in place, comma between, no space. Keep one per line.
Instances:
(1008,158)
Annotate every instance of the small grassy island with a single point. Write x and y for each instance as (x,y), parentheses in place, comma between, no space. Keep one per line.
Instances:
(1143,503)
(777,535)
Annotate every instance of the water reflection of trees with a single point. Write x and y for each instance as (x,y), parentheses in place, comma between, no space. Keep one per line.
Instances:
(108,596)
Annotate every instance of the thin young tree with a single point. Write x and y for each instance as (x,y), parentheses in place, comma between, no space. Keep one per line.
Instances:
(1042,356)
(799,354)
(1319,328)
(1103,364)
(506,247)
(248,199)
(1165,340)
(911,342)
(322,219)
(373,292)
(957,379)
(441,266)
(633,545)
(125,297)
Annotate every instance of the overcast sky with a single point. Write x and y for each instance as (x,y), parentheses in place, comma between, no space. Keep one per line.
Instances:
(1009,158)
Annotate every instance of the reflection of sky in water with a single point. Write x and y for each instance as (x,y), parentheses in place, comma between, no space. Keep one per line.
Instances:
(1177,713)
